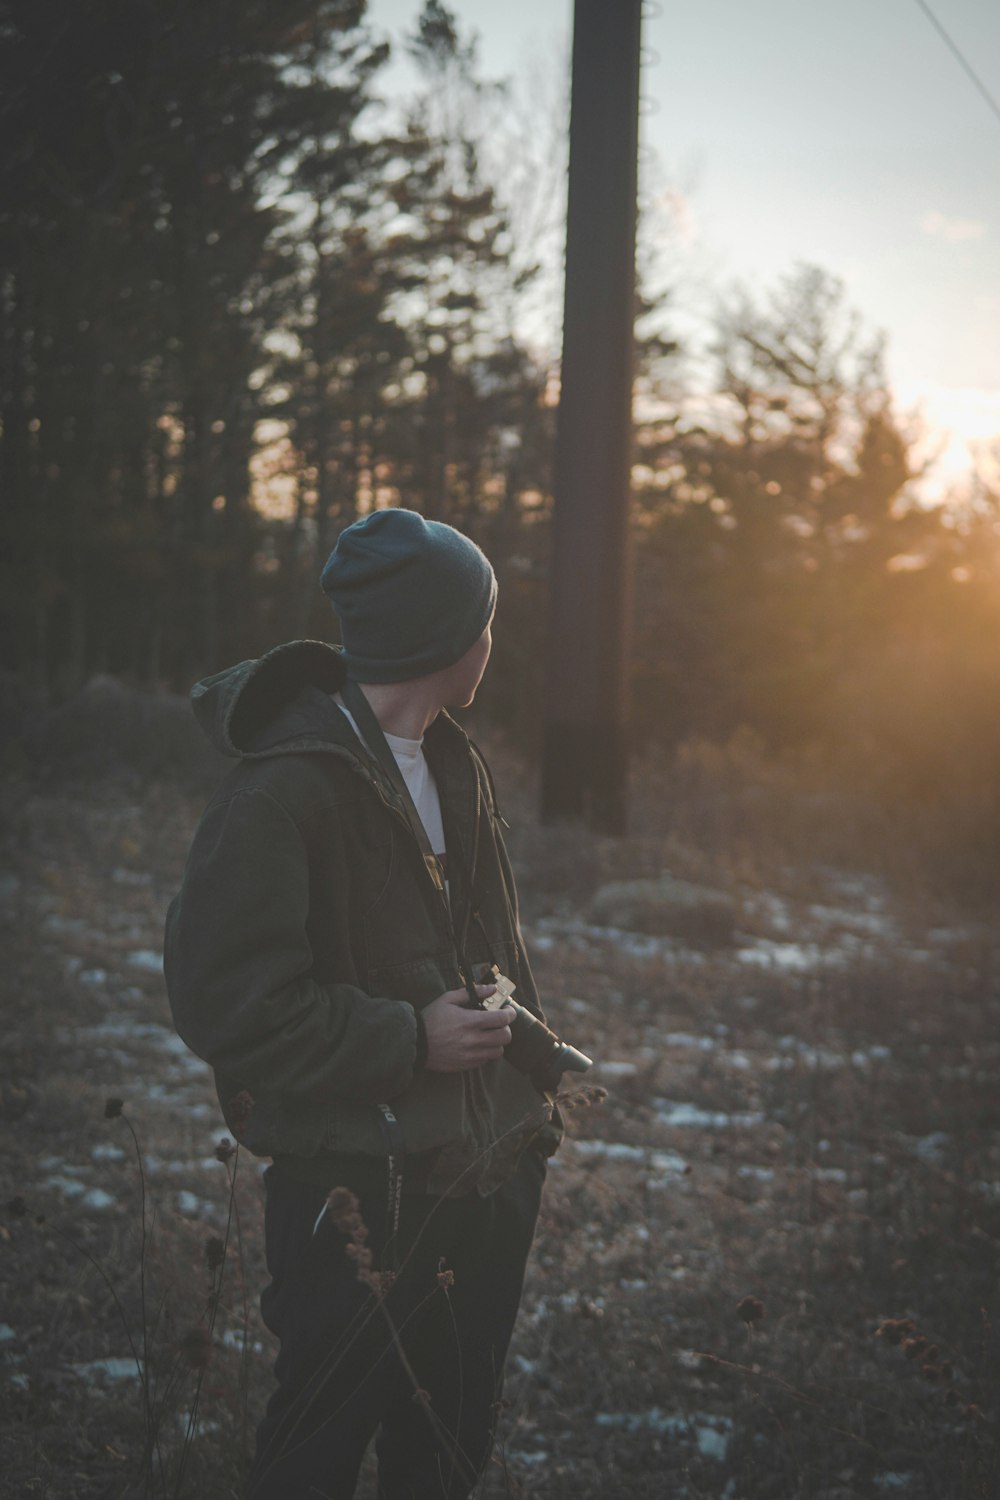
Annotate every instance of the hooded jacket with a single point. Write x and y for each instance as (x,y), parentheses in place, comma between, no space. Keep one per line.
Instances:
(307,934)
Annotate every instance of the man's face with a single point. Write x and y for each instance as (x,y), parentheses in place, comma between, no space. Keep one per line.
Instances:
(467,673)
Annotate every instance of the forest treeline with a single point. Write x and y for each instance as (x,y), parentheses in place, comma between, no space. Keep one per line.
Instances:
(243,301)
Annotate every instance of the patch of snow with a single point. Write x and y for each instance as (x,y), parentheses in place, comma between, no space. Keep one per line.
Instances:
(893,1480)
(612,1150)
(233,1339)
(829,1174)
(582,935)
(19,1382)
(690,1115)
(124,1030)
(864,1057)
(106,1152)
(108,1369)
(862,889)
(63,926)
(712,1443)
(92,978)
(172,1094)
(774,909)
(6,1333)
(194,1207)
(68,1186)
(668,1163)
(665,1164)
(97,1198)
(874,924)
(792,956)
(178,1047)
(148,959)
(570,1302)
(946,935)
(930,1148)
(618,1069)
(634,944)
(203,1428)
(756,1174)
(711,1433)
(687,1039)
(539,1456)
(796,1052)
(205,1164)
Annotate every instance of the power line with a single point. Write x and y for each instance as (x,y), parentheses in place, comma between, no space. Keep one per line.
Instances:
(960,57)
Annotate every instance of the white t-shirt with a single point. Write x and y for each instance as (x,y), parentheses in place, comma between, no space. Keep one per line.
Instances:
(412,762)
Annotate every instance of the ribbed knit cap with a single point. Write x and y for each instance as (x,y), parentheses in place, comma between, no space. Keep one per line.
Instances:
(412,595)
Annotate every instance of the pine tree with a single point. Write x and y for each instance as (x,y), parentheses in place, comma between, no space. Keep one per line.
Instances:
(776,523)
(145,176)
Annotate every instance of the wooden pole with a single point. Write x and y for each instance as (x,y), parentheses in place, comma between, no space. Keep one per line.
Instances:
(584,756)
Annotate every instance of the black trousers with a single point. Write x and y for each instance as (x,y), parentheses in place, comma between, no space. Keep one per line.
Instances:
(421,1366)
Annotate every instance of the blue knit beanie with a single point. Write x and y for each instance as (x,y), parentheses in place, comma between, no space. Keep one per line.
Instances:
(412,595)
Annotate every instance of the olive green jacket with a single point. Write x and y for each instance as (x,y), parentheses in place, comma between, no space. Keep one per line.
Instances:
(307,934)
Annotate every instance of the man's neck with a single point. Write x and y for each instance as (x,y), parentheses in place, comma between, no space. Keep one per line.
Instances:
(406,709)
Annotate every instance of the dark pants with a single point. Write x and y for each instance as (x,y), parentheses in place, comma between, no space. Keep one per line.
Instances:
(340,1371)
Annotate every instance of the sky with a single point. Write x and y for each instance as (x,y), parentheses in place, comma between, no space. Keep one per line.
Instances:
(842,133)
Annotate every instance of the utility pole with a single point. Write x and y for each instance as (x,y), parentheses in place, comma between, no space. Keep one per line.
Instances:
(584,758)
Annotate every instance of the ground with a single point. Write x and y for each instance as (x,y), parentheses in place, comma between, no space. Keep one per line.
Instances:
(767,1262)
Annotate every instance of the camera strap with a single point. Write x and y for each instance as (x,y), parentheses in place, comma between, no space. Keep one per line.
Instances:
(395,1149)
(371,731)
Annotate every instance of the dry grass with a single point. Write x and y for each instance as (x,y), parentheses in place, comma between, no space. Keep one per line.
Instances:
(837,1162)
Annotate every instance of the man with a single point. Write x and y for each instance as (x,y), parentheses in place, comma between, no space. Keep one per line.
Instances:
(346,908)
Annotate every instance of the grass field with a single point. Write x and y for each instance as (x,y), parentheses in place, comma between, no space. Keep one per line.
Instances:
(767,1262)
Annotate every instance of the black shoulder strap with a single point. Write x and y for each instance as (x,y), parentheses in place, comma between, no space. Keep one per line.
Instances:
(364,716)
(371,730)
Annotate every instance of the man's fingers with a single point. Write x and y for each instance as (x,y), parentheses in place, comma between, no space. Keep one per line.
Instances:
(453,997)
(459,1036)
(491,1041)
(461,997)
(485,1019)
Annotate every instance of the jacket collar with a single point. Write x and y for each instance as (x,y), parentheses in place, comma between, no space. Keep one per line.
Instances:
(282,704)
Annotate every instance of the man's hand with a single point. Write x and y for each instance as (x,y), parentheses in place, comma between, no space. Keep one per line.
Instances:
(459,1037)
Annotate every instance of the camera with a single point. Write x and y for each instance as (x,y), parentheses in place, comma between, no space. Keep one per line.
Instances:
(534,1048)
